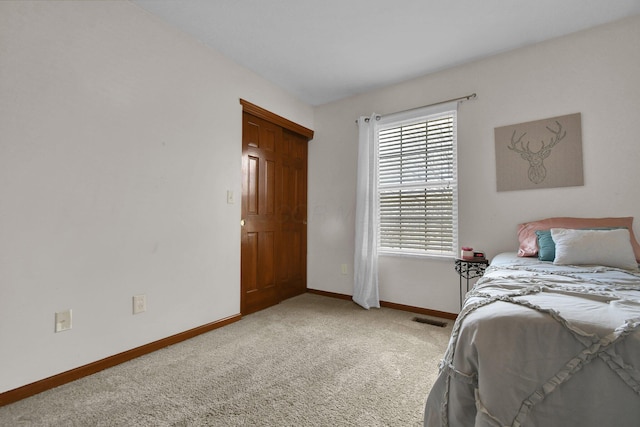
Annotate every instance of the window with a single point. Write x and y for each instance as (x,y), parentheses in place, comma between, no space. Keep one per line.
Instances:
(417,184)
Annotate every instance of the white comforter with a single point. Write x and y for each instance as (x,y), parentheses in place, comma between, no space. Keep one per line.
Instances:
(543,345)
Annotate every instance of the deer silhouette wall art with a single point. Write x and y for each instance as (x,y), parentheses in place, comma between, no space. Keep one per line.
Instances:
(537,171)
(539,154)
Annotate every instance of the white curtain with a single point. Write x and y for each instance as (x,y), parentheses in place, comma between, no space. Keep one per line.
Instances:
(365,266)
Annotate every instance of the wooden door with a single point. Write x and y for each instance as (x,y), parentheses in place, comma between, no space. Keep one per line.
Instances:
(274,214)
(259,216)
(292,242)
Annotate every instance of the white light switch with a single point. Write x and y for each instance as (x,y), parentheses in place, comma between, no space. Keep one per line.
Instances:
(229,197)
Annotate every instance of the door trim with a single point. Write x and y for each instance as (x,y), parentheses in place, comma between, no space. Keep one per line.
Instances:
(261,113)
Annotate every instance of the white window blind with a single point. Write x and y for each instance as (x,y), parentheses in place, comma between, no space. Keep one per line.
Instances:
(417,185)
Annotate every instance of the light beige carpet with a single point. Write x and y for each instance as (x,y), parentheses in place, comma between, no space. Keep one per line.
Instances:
(309,361)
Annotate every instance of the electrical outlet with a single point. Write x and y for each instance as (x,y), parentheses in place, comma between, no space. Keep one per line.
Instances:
(63,320)
(139,304)
(344,268)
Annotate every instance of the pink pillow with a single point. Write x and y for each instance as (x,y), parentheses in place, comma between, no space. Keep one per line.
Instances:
(529,242)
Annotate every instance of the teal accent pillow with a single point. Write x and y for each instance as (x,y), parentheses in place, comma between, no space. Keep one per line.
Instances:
(547,247)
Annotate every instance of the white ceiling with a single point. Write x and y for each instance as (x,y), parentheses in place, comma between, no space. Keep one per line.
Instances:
(325,50)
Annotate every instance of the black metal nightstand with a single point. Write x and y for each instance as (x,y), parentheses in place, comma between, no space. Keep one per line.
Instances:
(470,269)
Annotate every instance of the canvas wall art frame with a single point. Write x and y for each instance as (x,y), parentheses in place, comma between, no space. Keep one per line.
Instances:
(543,153)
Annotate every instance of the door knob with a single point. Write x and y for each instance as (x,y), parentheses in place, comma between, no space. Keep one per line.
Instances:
(242,223)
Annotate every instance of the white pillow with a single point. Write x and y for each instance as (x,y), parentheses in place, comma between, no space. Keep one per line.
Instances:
(602,247)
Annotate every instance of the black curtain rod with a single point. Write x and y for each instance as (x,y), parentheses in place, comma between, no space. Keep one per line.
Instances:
(462,98)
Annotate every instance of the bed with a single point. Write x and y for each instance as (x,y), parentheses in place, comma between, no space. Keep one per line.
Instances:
(543,342)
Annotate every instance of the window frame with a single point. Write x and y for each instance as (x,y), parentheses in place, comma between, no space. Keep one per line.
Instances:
(406,118)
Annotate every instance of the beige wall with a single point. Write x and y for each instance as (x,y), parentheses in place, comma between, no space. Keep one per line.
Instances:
(593,72)
(119,138)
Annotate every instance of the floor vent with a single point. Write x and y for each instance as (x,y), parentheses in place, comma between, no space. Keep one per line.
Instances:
(430,321)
